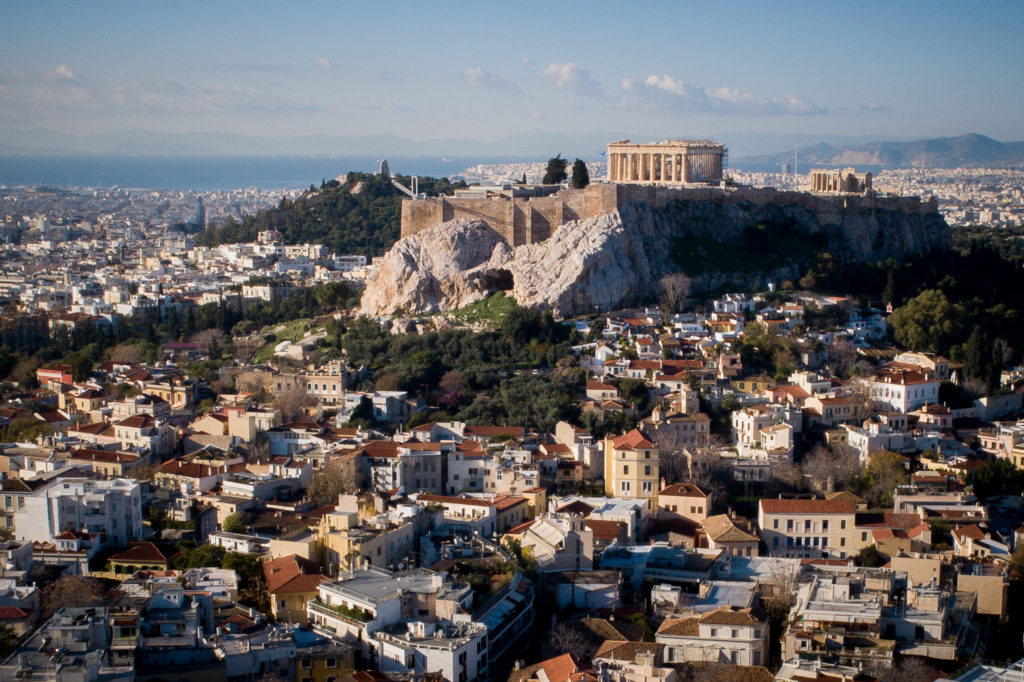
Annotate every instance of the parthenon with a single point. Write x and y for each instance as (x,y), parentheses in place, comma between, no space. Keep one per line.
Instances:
(668,162)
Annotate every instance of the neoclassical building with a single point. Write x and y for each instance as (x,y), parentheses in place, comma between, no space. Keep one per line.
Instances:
(669,162)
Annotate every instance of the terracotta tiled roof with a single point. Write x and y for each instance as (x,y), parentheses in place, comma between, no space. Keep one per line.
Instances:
(12,613)
(973,532)
(731,616)
(845,495)
(887,520)
(620,650)
(292,574)
(576,507)
(683,490)
(381,448)
(600,386)
(90,455)
(561,668)
(632,440)
(146,552)
(720,528)
(604,530)
(521,528)
(773,506)
(136,421)
(685,627)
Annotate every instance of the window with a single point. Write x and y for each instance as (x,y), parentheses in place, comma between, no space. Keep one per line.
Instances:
(735,633)
(714,632)
(647,470)
(306,663)
(775,524)
(625,470)
(864,536)
(332,662)
(842,525)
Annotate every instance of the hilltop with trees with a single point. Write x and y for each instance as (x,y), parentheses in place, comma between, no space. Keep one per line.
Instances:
(361,215)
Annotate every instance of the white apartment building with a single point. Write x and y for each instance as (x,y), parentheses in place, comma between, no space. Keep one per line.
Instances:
(457,651)
(903,391)
(727,634)
(748,422)
(110,509)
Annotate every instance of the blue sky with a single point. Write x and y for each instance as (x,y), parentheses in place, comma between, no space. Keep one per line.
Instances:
(484,70)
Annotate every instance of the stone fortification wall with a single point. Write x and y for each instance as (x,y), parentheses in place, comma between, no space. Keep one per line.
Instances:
(530,220)
(520,220)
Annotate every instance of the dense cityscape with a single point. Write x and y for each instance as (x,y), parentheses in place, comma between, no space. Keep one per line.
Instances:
(579,359)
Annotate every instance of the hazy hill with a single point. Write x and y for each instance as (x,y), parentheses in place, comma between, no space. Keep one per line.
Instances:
(971,149)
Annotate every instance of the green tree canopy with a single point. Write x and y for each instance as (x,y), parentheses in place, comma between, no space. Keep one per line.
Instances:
(998,477)
(580,175)
(555,172)
(236,523)
(928,322)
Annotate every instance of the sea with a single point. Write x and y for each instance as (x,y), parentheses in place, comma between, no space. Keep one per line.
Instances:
(211,173)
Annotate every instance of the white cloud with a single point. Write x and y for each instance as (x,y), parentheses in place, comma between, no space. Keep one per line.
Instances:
(478,78)
(571,78)
(62,91)
(875,107)
(64,71)
(323,63)
(665,94)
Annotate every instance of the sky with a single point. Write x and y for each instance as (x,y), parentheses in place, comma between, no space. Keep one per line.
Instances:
(485,70)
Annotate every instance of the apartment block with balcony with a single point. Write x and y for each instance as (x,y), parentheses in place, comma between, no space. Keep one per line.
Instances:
(808,528)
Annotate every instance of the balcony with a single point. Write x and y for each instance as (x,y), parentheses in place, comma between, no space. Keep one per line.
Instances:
(322,609)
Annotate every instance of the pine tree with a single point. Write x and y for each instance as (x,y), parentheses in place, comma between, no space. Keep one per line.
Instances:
(555,173)
(580,176)
(889,293)
(995,369)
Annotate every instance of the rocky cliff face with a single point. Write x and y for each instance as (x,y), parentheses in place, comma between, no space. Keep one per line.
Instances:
(435,270)
(616,259)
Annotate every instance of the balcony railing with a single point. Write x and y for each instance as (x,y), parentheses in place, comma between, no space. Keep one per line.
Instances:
(324,610)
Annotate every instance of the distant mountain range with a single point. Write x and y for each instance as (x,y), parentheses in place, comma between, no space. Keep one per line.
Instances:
(745,147)
(941,152)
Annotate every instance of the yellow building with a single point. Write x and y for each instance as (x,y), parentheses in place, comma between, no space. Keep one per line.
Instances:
(753,385)
(347,541)
(810,528)
(291,582)
(631,466)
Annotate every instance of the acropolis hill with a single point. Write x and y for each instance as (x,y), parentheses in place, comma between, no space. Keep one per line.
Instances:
(664,208)
(529,215)
(653,174)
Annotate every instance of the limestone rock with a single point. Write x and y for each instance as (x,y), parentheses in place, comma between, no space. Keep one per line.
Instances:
(432,271)
(594,264)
